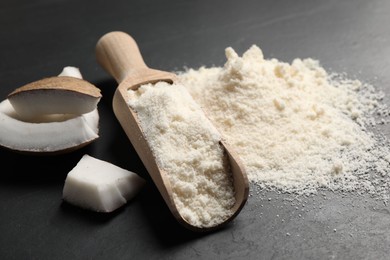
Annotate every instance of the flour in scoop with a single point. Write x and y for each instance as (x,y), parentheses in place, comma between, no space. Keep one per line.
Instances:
(187,147)
(296,127)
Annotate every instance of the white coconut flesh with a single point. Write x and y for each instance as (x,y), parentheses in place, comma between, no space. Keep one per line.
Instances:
(71,71)
(49,132)
(65,133)
(100,186)
(67,93)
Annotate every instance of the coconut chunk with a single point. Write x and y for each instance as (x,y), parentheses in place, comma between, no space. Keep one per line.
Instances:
(67,93)
(71,71)
(52,115)
(100,186)
(54,134)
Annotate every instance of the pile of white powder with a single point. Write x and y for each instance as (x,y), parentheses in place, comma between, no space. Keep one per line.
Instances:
(296,127)
(187,147)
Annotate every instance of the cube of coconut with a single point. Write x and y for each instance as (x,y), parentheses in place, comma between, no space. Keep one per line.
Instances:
(100,186)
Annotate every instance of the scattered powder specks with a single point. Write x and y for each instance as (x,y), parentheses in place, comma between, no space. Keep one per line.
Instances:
(296,127)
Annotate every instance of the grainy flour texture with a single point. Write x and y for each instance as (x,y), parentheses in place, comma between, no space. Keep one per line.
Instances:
(187,147)
(296,127)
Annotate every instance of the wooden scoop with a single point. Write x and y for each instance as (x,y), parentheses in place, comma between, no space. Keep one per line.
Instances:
(118,54)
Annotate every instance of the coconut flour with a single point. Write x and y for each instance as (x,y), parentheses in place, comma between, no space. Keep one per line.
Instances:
(296,127)
(187,147)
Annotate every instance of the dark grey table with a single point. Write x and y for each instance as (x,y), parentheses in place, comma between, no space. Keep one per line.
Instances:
(38,38)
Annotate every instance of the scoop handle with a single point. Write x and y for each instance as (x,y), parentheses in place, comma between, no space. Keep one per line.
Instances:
(118,53)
